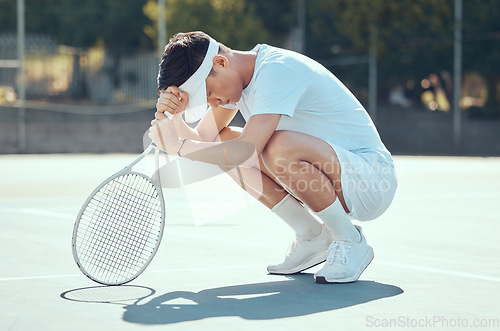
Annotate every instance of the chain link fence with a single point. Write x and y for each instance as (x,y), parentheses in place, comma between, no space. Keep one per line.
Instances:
(73,103)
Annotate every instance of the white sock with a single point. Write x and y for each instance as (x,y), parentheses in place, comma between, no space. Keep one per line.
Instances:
(298,218)
(339,224)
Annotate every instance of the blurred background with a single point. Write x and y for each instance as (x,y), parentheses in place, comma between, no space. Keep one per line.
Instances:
(80,77)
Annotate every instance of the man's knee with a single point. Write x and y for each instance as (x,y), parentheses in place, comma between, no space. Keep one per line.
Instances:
(278,151)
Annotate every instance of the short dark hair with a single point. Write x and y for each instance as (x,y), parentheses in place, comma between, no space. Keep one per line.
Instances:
(182,57)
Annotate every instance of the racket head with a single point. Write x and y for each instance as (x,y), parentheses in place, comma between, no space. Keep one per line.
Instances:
(119,228)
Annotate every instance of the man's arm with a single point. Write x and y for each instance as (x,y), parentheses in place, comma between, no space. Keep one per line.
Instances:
(174,102)
(213,122)
(251,142)
(209,126)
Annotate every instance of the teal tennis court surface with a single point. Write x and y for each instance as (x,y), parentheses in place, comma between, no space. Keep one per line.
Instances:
(435,267)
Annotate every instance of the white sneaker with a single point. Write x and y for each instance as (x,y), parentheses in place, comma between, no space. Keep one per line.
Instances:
(304,254)
(346,261)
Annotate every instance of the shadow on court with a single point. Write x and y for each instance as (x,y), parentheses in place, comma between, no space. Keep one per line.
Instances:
(297,296)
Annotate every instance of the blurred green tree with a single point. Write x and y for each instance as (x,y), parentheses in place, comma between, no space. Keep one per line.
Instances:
(397,27)
(232,22)
(8,16)
(413,37)
(278,18)
(118,23)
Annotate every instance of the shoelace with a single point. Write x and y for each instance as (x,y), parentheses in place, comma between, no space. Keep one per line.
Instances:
(294,245)
(338,252)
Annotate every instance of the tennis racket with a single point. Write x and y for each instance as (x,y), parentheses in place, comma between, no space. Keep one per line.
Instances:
(119,227)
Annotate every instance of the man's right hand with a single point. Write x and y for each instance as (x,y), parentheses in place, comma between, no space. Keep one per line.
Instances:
(172,101)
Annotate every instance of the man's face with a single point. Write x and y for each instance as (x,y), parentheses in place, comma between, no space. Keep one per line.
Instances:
(223,87)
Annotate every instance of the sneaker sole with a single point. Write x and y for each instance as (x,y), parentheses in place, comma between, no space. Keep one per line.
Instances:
(366,262)
(307,264)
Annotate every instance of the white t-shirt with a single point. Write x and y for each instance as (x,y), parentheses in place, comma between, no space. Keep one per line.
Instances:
(311,99)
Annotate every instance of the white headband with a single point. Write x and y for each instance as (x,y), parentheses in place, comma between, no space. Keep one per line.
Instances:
(196,86)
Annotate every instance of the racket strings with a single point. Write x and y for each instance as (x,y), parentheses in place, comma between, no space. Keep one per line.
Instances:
(122,209)
(123,238)
(119,228)
(124,235)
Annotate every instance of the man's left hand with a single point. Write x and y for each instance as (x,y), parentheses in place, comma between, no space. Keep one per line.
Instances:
(163,133)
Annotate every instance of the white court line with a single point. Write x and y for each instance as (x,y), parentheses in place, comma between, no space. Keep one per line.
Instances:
(65,216)
(38,212)
(232,267)
(223,240)
(40,277)
(438,270)
(392,264)
(415,196)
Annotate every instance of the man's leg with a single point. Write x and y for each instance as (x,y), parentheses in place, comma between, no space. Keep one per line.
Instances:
(257,181)
(309,168)
(312,240)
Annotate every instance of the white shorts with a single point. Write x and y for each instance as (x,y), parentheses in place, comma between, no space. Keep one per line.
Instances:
(369,182)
